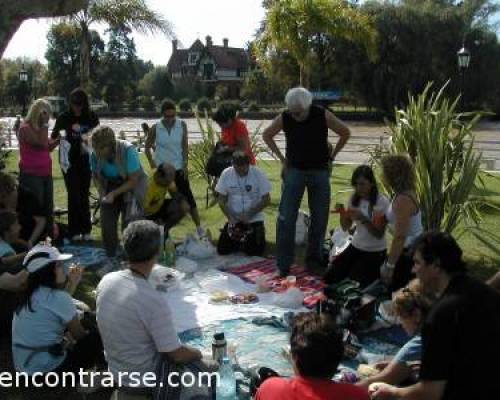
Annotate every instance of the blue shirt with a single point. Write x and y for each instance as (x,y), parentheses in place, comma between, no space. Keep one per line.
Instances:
(6,249)
(411,351)
(110,169)
(53,309)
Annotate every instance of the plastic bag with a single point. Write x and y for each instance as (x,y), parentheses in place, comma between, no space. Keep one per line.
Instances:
(186,265)
(340,241)
(292,298)
(196,248)
(164,278)
(302,228)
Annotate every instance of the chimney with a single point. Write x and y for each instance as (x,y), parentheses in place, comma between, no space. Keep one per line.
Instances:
(209,40)
(174,45)
(226,42)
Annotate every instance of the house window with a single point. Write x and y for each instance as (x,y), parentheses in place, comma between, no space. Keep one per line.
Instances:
(208,71)
(193,58)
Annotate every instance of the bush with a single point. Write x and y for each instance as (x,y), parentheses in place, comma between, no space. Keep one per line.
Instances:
(253,106)
(133,105)
(236,104)
(147,103)
(204,104)
(185,105)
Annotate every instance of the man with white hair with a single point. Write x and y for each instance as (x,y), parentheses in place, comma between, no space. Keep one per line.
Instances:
(304,166)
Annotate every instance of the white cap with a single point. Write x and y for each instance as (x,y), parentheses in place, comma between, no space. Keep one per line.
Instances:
(41,255)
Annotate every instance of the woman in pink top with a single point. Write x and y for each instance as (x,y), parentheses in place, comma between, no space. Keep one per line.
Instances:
(35,164)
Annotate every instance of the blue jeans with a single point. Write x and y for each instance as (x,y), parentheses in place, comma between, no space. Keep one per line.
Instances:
(295,181)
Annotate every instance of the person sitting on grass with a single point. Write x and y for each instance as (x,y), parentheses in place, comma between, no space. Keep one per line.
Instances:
(243,192)
(460,333)
(47,333)
(135,320)
(362,259)
(29,210)
(410,305)
(10,265)
(9,235)
(166,212)
(316,349)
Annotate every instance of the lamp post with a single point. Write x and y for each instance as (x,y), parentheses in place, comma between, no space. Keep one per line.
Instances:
(23,78)
(463,56)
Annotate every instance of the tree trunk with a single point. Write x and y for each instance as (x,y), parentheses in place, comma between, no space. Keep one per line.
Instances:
(304,76)
(85,58)
(15,12)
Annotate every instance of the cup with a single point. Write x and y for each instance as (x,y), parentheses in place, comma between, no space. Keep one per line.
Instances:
(291,281)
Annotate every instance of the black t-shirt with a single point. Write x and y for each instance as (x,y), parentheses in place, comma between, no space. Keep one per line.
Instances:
(307,141)
(461,341)
(65,122)
(28,207)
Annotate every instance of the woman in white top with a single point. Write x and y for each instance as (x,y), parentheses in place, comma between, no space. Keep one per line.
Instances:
(361,261)
(404,218)
(168,138)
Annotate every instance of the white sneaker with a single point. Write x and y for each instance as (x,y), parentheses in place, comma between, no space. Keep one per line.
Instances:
(76,238)
(87,237)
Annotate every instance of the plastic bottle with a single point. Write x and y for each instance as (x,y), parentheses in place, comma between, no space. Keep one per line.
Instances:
(219,347)
(227,383)
(169,253)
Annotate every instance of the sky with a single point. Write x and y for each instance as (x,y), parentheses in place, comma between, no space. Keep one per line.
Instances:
(235,19)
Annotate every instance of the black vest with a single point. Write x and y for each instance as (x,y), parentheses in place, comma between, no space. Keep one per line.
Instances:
(307,141)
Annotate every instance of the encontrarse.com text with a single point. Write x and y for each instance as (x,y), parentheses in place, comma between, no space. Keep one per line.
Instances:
(106,379)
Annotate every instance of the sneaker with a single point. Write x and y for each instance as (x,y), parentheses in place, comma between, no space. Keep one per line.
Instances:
(87,237)
(76,238)
(110,265)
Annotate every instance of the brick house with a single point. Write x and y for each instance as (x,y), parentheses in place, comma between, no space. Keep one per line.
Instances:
(210,64)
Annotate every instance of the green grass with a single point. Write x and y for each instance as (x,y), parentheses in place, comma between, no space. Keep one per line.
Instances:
(483,261)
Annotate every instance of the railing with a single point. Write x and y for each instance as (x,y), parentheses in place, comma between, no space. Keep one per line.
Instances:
(355,152)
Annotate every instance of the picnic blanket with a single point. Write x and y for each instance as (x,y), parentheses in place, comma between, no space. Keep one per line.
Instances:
(309,284)
(257,345)
(87,256)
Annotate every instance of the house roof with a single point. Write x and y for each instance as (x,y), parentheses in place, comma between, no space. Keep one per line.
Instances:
(224,57)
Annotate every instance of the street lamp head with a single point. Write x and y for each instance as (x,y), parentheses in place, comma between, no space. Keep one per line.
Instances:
(23,74)
(463,56)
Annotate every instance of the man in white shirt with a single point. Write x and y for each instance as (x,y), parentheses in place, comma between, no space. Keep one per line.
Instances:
(243,192)
(134,319)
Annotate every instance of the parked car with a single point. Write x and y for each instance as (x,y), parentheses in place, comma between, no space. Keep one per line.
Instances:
(58,104)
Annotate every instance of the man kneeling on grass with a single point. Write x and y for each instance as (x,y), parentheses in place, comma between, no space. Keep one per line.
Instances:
(135,320)
(160,209)
(243,192)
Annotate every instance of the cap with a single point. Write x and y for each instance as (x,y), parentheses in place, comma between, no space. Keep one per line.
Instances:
(42,255)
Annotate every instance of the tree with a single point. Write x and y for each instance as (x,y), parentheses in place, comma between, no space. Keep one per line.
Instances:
(15,12)
(296,26)
(418,41)
(132,14)
(119,74)
(156,83)
(14,91)
(63,56)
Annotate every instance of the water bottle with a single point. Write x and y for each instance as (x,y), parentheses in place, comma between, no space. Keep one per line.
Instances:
(227,383)
(219,347)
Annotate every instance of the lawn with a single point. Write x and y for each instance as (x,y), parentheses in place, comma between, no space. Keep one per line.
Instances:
(483,260)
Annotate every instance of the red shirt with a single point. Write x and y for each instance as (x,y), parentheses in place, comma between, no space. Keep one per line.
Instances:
(299,388)
(34,151)
(237,131)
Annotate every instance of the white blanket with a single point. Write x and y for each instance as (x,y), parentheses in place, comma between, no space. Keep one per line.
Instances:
(190,304)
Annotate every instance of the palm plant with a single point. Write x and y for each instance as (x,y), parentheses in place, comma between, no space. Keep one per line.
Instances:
(134,14)
(440,142)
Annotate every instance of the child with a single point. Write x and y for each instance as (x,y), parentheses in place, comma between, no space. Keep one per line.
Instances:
(9,234)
